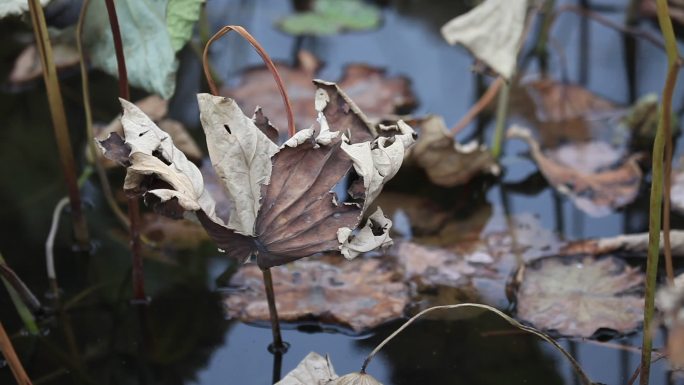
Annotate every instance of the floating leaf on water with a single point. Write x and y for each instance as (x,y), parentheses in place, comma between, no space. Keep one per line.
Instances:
(314,369)
(430,266)
(358,294)
(329,17)
(181,16)
(378,95)
(447,162)
(578,296)
(492,32)
(558,102)
(597,193)
(151,62)
(16,7)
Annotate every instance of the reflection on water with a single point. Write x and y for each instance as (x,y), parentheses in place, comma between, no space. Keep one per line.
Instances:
(182,337)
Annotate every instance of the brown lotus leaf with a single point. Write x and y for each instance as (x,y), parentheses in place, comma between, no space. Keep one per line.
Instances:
(282,207)
(558,102)
(430,266)
(358,294)
(446,162)
(373,91)
(578,296)
(596,193)
(28,66)
(560,112)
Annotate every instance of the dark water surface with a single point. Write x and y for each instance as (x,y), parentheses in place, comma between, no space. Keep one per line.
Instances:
(182,337)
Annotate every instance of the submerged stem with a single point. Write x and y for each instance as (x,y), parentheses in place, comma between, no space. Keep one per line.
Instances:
(278,346)
(59,121)
(501,115)
(133,206)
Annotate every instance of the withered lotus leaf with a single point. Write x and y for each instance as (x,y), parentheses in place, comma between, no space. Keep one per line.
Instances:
(283,208)
(315,369)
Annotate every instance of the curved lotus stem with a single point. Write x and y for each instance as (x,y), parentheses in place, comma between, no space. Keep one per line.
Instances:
(264,56)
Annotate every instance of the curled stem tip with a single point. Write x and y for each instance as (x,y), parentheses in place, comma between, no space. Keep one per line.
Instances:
(264,56)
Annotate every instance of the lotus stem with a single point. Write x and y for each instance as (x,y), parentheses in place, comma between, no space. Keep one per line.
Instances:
(90,134)
(582,376)
(12,358)
(659,148)
(278,346)
(480,105)
(59,121)
(133,205)
(501,116)
(264,56)
(49,247)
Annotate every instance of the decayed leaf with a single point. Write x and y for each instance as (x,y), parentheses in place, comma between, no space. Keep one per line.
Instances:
(156,109)
(579,296)
(16,7)
(670,302)
(181,16)
(241,155)
(378,95)
(152,153)
(28,66)
(317,370)
(447,162)
(374,235)
(329,17)
(492,32)
(432,266)
(558,102)
(293,215)
(313,370)
(358,294)
(169,233)
(596,193)
(151,61)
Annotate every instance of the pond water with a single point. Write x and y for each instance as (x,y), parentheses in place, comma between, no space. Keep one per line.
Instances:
(183,337)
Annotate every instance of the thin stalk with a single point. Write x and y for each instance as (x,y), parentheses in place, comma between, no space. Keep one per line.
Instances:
(90,132)
(12,358)
(59,121)
(582,376)
(133,204)
(630,48)
(584,44)
(24,301)
(264,56)
(659,147)
(49,247)
(278,346)
(501,115)
(480,105)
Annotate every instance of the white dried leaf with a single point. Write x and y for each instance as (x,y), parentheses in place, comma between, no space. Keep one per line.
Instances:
(491,32)
(356,379)
(153,152)
(314,369)
(325,136)
(375,234)
(241,155)
(299,138)
(378,161)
